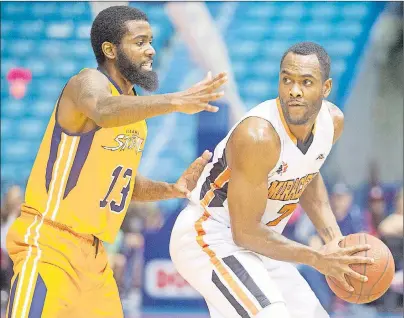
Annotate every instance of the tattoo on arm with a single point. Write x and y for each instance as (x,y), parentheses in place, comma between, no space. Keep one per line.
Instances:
(315,202)
(327,233)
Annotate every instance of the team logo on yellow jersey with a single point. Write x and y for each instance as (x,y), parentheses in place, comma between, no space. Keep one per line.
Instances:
(128,141)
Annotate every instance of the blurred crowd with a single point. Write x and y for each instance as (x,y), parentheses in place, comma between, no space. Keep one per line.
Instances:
(126,253)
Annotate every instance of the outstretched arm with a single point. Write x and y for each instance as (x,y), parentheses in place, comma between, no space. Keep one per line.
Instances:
(314,199)
(149,190)
(89,92)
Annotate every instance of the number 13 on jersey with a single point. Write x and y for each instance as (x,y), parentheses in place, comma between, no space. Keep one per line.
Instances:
(116,174)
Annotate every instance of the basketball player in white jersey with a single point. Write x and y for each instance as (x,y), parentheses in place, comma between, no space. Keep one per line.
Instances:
(228,243)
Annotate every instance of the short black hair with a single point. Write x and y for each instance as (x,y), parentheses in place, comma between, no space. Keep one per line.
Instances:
(308,48)
(109,26)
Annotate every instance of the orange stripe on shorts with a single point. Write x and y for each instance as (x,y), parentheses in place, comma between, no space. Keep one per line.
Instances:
(222,270)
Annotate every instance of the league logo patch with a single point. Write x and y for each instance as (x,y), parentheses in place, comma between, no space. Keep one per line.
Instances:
(282,168)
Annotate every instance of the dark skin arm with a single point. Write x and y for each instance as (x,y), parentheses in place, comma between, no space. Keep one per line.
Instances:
(149,190)
(315,203)
(259,145)
(87,102)
(256,139)
(314,199)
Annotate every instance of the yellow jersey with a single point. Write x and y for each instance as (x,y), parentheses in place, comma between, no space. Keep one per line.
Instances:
(85,181)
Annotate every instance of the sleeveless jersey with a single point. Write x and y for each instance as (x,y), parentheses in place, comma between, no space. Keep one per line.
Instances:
(85,181)
(288,179)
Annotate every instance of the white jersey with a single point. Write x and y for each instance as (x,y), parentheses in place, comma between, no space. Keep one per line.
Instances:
(286,182)
(234,281)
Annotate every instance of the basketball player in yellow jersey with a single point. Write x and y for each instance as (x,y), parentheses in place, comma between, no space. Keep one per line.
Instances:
(85,174)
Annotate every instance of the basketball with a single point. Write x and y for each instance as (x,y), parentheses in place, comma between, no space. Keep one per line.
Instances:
(380,274)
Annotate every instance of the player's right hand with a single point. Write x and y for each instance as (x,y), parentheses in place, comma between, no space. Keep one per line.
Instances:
(197,98)
(335,261)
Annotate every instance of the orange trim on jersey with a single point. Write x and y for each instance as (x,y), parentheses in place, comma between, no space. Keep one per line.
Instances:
(285,125)
(220,267)
(219,182)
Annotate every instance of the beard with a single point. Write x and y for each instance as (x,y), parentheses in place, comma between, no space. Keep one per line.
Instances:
(147,80)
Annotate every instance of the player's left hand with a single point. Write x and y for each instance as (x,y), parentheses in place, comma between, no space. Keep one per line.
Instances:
(336,261)
(187,182)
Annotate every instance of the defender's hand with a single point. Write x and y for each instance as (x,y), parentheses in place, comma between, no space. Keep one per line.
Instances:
(197,98)
(187,182)
(335,262)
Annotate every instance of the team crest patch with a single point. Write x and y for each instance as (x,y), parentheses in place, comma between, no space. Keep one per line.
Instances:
(128,141)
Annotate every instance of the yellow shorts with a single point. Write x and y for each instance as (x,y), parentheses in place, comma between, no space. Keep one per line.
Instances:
(57,273)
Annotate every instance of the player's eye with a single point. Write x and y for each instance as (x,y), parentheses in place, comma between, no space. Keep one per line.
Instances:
(307,82)
(140,43)
(286,80)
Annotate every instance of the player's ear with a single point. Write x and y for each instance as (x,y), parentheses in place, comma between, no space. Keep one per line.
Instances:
(109,50)
(327,86)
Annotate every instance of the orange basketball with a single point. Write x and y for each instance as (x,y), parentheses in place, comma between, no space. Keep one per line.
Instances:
(380,273)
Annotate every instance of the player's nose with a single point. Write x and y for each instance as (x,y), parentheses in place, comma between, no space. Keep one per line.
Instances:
(150,51)
(295,91)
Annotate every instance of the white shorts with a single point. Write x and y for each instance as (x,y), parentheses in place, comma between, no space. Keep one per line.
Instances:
(235,282)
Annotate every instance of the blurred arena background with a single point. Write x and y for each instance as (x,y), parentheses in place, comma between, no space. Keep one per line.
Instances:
(44,43)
